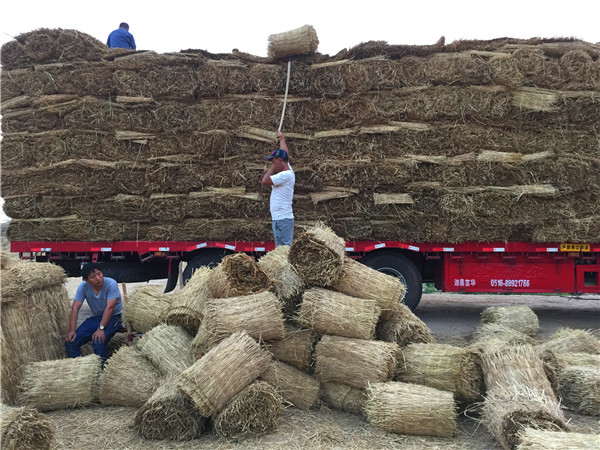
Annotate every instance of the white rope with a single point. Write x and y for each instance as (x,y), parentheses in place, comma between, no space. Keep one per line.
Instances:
(287,85)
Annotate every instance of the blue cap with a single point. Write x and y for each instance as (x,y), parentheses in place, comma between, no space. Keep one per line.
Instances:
(278,154)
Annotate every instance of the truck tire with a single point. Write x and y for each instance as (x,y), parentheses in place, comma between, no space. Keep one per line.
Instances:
(210,258)
(399,266)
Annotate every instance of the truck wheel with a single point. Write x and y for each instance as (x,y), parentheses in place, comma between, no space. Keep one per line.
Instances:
(210,258)
(399,266)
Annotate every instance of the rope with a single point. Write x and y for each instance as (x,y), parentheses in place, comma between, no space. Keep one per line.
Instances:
(287,85)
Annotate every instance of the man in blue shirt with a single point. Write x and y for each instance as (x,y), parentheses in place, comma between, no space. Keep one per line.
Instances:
(121,38)
(104,300)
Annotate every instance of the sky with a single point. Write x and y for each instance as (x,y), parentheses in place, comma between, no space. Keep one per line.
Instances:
(221,26)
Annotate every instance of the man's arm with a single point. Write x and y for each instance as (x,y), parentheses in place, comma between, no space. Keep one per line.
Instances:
(99,335)
(282,143)
(75,307)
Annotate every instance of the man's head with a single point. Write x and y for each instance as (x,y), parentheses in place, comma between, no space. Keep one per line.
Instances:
(91,273)
(124,25)
(279,153)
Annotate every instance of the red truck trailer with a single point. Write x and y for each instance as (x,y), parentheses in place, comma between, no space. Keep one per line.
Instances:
(490,267)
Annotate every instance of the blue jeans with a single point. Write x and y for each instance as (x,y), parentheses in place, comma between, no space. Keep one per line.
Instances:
(84,335)
(283,232)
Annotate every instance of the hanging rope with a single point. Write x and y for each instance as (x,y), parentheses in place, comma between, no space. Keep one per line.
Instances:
(287,85)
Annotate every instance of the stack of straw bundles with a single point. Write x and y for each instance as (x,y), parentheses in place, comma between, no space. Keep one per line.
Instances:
(402,327)
(532,439)
(355,362)
(361,281)
(252,412)
(168,347)
(520,318)
(411,409)
(295,386)
(492,335)
(230,366)
(237,274)
(444,367)
(299,41)
(330,312)
(25,428)
(187,307)
(318,256)
(146,307)
(295,349)
(344,397)
(61,384)
(128,379)
(571,340)
(167,414)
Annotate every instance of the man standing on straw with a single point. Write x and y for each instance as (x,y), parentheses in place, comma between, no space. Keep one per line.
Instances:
(281,178)
(104,300)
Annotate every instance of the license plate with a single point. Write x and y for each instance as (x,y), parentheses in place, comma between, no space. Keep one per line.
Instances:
(574,247)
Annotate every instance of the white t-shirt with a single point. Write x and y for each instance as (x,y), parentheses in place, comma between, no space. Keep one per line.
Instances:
(282,193)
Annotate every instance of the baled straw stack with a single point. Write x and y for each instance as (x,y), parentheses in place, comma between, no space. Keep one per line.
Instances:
(444,367)
(520,318)
(318,256)
(128,379)
(344,397)
(25,428)
(571,340)
(532,439)
(299,41)
(252,412)
(168,347)
(237,274)
(61,384)
(187,307)
(295,349)
(226,369)
(146,308)
(257,314)
(355,362)
(295,386)
(358,280)
(167,414)
(403,327)
(579,389)
(288,286)
(492,335)
(411,409)
(331,312)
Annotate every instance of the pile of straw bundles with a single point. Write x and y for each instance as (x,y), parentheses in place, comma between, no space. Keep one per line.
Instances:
(237,274)
(252,412)
(146,307)
(25,428)
(167,414)
(168,347)
(213,380)
(187,306)
(571,340)
(318,255)
(411,409)
(299,41)
(344,397)
(295,386)
(128,379)
(444,367)
(533,439)
(330,312)
(35,319)
(403,327)
(520,318)
(295,349)
(61,384)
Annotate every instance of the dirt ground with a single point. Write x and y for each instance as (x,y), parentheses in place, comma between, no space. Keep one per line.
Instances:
(452,318)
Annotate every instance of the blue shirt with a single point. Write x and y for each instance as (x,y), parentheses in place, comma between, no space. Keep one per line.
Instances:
(121,38)
(97,303)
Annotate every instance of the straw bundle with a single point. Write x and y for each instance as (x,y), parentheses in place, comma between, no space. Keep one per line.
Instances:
(568,340)
(295,386)
(168,348)
(403,327)
(167,414)
(318,255)
(252,412)
(230,366)
(330,312)
(237,274)
(129,379)
(532,439)
(520,318)
(294,42)
(560,360)
(257,314)
(411,409)
(579,389)
(492,335)
(25,428)
(355,362)
(61,384)
(362,281)
(444,367)
(187,307)
(295,349)
(146,307)
(344,397)
(20,278)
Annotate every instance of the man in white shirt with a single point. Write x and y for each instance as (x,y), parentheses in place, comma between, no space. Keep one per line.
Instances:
(281,178)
